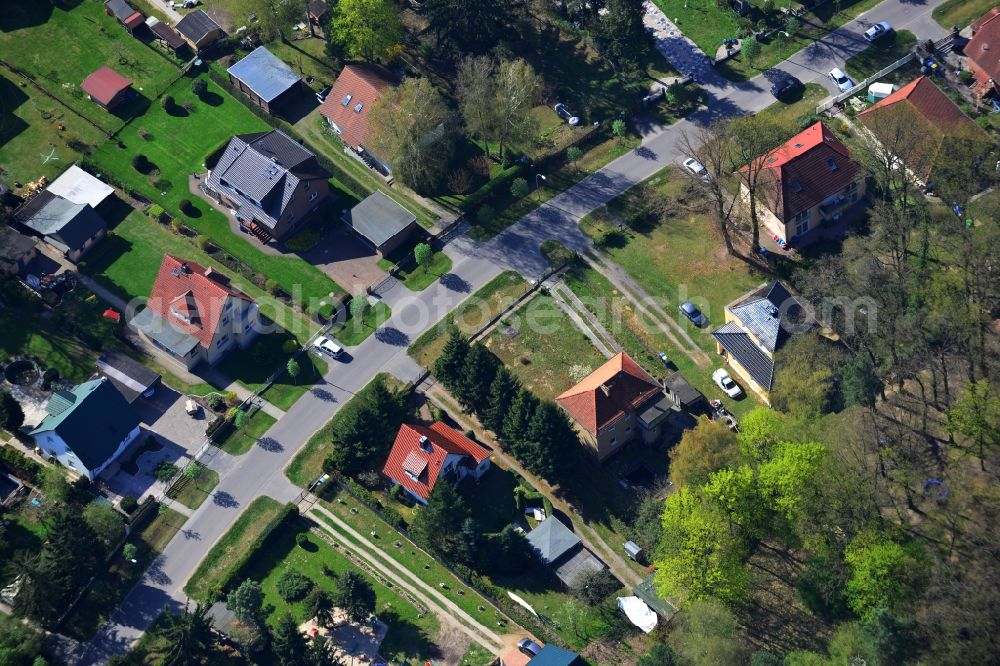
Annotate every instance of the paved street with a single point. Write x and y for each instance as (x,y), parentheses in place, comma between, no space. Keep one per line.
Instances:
(259,472)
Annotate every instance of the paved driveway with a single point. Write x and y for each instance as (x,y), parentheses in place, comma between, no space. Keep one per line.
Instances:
(346,259)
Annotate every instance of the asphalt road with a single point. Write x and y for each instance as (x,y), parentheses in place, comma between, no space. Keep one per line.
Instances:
(259,472)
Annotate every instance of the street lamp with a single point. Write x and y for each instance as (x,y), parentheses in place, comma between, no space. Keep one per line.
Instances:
(537,177)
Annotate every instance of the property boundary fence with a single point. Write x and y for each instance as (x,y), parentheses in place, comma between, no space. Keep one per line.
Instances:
(837,99)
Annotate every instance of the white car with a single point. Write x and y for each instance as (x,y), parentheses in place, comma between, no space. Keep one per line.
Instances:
(325,345)
(840,79)
(696,168)
(878,30)
(725,382)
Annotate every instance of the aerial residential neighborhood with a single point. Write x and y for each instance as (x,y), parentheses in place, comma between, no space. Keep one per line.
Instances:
(489,333)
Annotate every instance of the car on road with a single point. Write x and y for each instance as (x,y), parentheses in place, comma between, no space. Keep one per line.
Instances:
(785,85)
(725,382)
(529,647)
(841,80)
(693,314)
(325,345)
(878,30)
(696,168)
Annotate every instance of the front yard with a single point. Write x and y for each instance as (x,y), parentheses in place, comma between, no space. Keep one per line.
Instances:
(961,12)
(880,54)
(239,440)
(265,356)
(193,491)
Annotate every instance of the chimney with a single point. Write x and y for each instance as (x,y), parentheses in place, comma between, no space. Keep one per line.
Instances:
(185,268)
(425,443)
(606,389)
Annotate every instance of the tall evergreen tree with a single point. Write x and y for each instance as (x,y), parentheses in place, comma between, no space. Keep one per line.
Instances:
(188,634)
(503,390)
(622,36)
(247,602)
(448,366)
(515,423)
(548,436)
(437,525)
(288,645)
(477,377)
(355,595)
(37,598)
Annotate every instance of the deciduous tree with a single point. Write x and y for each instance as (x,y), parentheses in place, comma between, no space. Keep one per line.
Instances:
(472,26)
(475,86)
(423,254)
(247,602)
(355,595)
(976,416)
(517,90)
(707,634)
(707,447)
(368,29)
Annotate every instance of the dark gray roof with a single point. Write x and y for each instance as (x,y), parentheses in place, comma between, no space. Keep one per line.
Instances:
(378,218)
(171,37)
(579,564)
(768,313)
(264,168)
(685,393)
(120,9)
(64,223)
(14,245)
(551,540)
(742,347)
(164,333)
(265,74)
(130,377)
(196,25)
(655,409)
(553,655)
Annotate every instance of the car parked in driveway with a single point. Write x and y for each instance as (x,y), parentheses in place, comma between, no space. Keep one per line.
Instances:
(696,168)
(693,314)
(785,85)
(325,345)
(725,382)
(877,31)
(841,80)
(529,647)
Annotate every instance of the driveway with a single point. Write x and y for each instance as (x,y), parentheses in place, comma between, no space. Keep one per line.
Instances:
(346,259)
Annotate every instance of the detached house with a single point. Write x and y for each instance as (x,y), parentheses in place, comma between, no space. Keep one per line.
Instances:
(87,428)
(421,456)
(193,314)
(806,186)
(982,54)
(617,403)
(758,324)
(347,106)
(272,183)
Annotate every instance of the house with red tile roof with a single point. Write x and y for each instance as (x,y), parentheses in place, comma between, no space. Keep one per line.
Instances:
(933,116)
(423,455)
(617,403)
(194,314)
(107,88)
(348,104)
(982,54)
(809,184)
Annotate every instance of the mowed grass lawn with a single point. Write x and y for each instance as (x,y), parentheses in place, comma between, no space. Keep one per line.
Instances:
(411,636)
(33,127)
(265,356)
(879,54)
(473,313)
(239,441)
(961,12)
(27,334)
(544,348)
(353,331)
(60,47)
(178,143)
(790,112)
(192,492)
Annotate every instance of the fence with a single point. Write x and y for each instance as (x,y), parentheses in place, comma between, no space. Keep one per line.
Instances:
(837,99)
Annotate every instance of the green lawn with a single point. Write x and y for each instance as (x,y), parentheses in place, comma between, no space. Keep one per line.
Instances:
(253,366)
(879,54)
(33,126)
(792,113)
(109,588)
(24,333)
(229,551)
(415,277)
(545,349)
(177,146)
(193,492)
(128,259)
(474,311)
(352,332)
(477,655)
(60,47)
(961,12)
(239,441)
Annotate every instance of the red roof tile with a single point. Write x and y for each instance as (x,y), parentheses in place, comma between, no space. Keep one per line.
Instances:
(608,393)
(365,87)
(984,47)
(197,294)
(407,455)
(104,84)
(810,167)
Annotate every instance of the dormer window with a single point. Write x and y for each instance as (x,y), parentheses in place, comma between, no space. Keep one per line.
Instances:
(183,317)
(347,100)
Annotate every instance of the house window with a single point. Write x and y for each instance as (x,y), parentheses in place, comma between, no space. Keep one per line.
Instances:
(410,475)
(247,327)
(312,197)
(225,321)
(628,429)
(802,227)
(69,463)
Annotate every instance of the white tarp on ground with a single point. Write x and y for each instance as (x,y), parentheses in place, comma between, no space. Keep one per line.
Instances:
(638,613)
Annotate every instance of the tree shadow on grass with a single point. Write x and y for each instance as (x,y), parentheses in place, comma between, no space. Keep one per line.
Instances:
(406,637)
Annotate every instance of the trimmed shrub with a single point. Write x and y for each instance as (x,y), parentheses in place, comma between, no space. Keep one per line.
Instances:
(128,504)
(293,585)
(301,540)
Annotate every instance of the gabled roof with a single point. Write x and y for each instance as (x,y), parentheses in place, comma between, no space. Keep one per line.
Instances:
(124,12)
(608,393)
(805,170)
(378,218)
(265,168)
(196,25)
(14,247)
(130,377)
(984,47)
(104,84)
(65,224)
(188,291)
(265,74)
(425,460)
(553,655)
(742,347)
(92,419)
(353,94)
(80,187)
(170,37)
(551,540)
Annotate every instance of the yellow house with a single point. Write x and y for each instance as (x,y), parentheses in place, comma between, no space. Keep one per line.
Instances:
(806,187)
(757,325)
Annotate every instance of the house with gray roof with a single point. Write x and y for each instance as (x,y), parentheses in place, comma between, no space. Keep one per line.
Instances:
(758,324)
(132,379)
(87,428)
(271,182)
(265,79)
(72,228)
(557,547)
(199,30)
(381,222)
